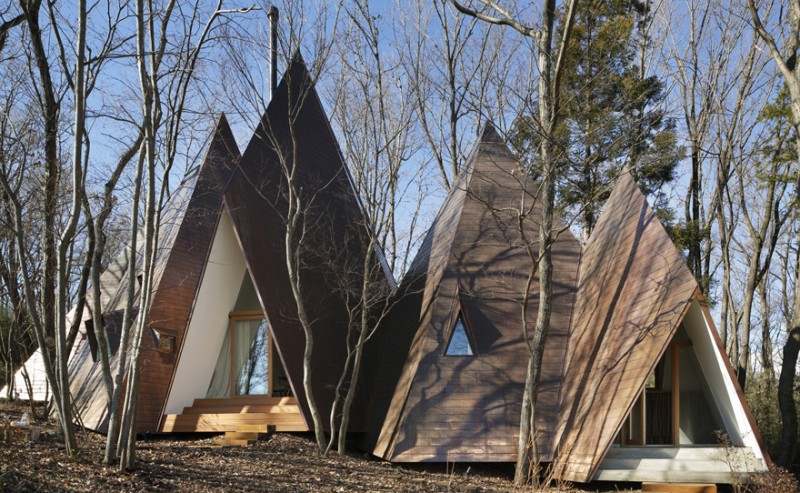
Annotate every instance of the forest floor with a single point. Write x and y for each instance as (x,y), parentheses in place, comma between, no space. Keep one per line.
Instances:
(280,462)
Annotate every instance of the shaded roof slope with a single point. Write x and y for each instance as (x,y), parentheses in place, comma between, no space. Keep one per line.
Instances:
(295,134)
(474,260)
(633,292)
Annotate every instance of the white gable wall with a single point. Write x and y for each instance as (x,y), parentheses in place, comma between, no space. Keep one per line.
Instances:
(719,380)
(38,377)
(34,365)
(695,463)
(216,297)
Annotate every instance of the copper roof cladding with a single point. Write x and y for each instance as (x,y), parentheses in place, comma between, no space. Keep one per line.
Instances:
(448,408)
(633,292)
(256,199)
(185,236)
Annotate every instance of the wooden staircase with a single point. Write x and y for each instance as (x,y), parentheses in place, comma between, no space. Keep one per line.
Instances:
(241,418)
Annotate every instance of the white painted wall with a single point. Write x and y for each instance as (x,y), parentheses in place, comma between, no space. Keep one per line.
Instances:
(217,295)
(35,368)
(34,365)
(719,380)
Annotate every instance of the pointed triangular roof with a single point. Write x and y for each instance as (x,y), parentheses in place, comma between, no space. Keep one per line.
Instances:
(474,260)
(634,292)
(185,235)
(256,199)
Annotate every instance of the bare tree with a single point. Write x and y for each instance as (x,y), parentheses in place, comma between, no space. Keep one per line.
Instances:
(785,56)
(449,60)
(374,115)
(550,63)
(50,319)
(297,203)
(152,41)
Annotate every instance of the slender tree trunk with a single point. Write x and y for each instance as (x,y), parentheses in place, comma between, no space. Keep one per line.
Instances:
(68,236)
(364,330)
(293,267)
(127,439)
(786,381)
(527,453)
(766,338)
(114,419)
(743,361)
(50,111)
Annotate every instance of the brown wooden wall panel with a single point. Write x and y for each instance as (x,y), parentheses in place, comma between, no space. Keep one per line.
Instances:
(179,276)
(633,291)
(336,234)
(481,266)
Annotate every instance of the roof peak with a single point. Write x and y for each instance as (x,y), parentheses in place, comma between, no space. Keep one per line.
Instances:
(490,135)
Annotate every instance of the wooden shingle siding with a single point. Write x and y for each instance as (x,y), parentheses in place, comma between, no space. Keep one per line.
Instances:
(633,292)
(185,235)
(179,279)
(467,408)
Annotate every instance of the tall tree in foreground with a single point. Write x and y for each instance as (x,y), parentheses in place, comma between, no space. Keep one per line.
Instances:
(613,114)
(374,116)
(785,57)
(550,60)
(164,82)
(49,319)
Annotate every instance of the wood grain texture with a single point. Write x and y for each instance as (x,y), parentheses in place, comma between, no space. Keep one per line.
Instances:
(449,408)
(185,235)
(633,292)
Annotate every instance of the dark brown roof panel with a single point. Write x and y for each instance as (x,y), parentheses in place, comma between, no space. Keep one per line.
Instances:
(467,408)
(257,201)
(185,235)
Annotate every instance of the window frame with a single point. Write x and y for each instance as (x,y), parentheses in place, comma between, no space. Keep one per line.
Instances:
(461,315)
(242,315)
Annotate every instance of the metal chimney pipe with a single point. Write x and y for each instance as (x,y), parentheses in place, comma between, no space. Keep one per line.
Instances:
(273,50)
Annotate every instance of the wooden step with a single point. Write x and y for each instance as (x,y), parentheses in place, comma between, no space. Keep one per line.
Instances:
(242,408)
(246,422)
(246,399)
(243,413)
(235,442)
(242,435)
(238,439)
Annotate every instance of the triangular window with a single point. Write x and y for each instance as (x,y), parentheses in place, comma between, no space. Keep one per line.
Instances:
(459,344)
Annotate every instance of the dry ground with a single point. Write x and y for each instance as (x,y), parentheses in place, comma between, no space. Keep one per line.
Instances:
(281,462)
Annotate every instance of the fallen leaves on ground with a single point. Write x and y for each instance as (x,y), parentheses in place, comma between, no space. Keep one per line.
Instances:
(278,462)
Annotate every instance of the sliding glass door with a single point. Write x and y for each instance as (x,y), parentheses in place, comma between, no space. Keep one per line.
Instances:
(244,363)
(250,357)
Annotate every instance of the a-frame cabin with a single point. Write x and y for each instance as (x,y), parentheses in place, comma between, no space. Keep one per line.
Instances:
(241,366)
(184,245)
(223,348)
(648,391)
(459,395)
(635,383)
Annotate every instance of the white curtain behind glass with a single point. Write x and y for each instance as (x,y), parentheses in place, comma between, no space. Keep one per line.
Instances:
(220,382)
(249,364)
(250,351)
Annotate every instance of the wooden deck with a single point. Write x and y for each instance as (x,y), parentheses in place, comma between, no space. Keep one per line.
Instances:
(241,418)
